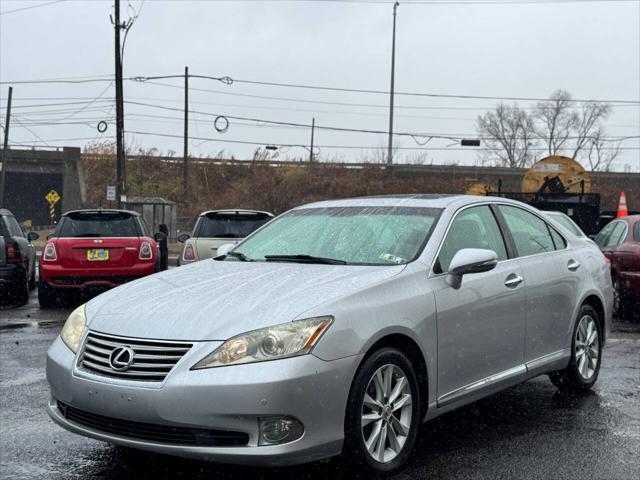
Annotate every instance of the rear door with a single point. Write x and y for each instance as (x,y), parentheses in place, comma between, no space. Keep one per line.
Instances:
(98,240)
(481,325)
(553,278)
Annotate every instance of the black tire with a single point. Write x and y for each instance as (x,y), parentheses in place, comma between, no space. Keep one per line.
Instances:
(22,290)
(572,378)
(32,280)
(620,303)
(355,448)
(46,296)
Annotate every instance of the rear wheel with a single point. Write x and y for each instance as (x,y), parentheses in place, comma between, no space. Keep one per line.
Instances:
(22,291)
(586,354)
(46,295)
(619,300)
(383,412)
(32,280)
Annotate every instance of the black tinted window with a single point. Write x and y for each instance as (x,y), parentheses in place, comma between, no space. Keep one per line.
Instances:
(99,225)
(4,231)
(230,225)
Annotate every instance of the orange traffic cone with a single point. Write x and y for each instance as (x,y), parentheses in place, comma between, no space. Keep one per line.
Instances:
(622,206)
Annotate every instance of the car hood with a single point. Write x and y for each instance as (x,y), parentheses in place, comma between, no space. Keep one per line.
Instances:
(215,300)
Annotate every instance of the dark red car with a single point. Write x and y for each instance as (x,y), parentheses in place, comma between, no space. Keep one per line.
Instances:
(95,248)
(620,242)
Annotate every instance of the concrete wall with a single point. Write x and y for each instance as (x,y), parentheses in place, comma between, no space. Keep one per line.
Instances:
(33,172)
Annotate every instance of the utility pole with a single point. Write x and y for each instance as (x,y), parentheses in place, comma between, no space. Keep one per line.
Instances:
(393,70)
(121,175)
(185,160)
(313,127)
(5,146)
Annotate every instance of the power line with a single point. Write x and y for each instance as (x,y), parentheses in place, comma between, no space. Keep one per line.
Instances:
(7,12)
(143,79)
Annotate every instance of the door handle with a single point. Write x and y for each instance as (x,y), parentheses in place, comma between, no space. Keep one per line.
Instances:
(573,265)
(513,281)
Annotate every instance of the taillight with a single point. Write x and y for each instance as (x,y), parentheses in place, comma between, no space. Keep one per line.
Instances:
(607,261)
(50,253)
(13,253)
(189,253)
(146,253)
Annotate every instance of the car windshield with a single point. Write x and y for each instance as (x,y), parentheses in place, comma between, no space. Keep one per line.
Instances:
(567,223)
(99,224)
(230,225)
(352,235)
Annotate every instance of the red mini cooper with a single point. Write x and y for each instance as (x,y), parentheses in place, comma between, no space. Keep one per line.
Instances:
(95,248)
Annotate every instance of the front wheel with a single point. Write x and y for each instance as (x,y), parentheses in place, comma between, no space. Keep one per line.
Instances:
(586,354)
(383,412)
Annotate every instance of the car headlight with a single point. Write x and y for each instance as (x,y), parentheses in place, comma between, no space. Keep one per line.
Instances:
(74,326)
(280,341)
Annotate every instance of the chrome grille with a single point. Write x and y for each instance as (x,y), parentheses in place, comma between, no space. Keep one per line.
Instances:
(152,359)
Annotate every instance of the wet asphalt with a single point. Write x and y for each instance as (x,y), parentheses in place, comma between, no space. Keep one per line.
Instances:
(529,431)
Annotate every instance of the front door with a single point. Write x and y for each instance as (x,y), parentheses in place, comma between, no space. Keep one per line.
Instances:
(481,325)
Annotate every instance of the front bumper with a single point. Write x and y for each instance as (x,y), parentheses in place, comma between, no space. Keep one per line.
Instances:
(228,398)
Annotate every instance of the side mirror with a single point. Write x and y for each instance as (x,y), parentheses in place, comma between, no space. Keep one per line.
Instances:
(470,260)
(224,249)
(50,236)
(183,237)
(160,236)
(31,236)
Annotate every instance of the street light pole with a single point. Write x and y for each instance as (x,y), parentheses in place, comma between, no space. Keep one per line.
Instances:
(393,70)
(185,165)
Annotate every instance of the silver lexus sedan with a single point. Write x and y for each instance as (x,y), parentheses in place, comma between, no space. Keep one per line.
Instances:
(337,328)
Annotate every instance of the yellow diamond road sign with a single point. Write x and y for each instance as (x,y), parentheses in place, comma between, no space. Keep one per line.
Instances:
(52,197)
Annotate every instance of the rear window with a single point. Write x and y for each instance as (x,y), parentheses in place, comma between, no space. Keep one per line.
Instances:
(3,228)
(230,225)
(102,224)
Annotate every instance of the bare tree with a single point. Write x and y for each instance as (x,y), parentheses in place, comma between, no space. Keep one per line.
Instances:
(555,121)
(588,125)
(600,153)
(566,129)
(508,135)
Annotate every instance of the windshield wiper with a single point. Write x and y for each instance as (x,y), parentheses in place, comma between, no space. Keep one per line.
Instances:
(304,259)
(240,256)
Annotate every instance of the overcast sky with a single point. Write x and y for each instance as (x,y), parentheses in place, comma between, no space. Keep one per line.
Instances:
(591,49)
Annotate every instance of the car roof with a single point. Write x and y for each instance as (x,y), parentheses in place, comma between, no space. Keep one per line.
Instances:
(236,211)
(410,200)
(101,210)
(5,212)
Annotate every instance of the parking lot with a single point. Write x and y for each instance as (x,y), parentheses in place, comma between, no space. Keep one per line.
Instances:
(531,431)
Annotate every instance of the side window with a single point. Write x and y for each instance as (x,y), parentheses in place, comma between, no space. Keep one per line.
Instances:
(605,233)
(617,235)
(530,233)
(558,241)
(14,227)
(475,227)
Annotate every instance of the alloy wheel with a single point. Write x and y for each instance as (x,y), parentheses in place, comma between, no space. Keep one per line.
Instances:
(587,347)
(386,413)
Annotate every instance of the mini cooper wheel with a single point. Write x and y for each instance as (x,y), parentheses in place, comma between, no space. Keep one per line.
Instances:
(586,353)
(383,412)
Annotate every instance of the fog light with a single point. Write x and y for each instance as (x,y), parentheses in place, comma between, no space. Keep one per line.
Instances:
(277,430)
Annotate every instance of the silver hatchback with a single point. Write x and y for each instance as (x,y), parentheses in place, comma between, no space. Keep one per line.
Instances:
(337,328)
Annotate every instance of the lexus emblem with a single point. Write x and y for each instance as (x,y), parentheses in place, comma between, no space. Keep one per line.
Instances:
(121,358)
